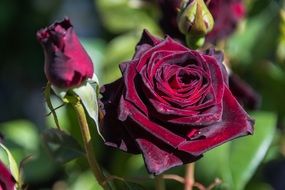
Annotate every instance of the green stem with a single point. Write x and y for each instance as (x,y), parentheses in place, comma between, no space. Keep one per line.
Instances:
(189,177)
(90,154)
(159,182)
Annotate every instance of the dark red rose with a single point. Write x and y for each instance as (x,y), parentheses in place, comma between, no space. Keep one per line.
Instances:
(172,104)
(7,181)
(227,14)
(66,62)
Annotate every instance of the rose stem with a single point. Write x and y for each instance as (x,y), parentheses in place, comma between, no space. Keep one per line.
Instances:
(159,182)
(87,140)
(189,176)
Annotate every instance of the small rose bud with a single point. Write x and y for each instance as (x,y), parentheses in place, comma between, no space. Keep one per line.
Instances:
(66,62)
(194,18)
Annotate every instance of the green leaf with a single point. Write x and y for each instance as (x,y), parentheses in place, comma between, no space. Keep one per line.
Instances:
(124,15)
(242,45)
(23,133)
(62,146)
(215,164)
(235,162)
(40,167)
(116,52)
(247,153)
(88,93)
(13,166)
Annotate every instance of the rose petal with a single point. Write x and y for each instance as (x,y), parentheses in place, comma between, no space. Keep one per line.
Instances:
(131,93)
(219,56)
(217,78)
(167,44)
(158,155)
(7,181)
(235,123)
(153,128)
(112,129)
(146,42)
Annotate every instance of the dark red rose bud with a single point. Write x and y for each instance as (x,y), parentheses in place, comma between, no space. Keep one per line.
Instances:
(66,62)
(7,181)
(172,104)
(227,14)
(244,93)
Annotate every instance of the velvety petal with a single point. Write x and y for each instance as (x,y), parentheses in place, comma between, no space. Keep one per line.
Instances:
(132,91)
(217,78)
(235,123)
(158,155)
(219,56)
(146,42)
(111,128)
(153,128)
(210,116)
(156,159)
(167,44)
(244,93)
(149,74)
(7,181)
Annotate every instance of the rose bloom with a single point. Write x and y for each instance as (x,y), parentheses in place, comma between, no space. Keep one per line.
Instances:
(226,14)
(66,62)
(172,104)
(7,181)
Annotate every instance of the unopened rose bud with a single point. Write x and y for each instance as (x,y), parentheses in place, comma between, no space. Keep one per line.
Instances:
(195,20)
(66,62)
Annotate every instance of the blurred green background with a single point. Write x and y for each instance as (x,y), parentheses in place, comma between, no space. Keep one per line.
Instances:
(109,30)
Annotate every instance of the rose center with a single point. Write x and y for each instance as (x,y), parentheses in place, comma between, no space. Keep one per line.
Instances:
(186,78)
(181,79)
